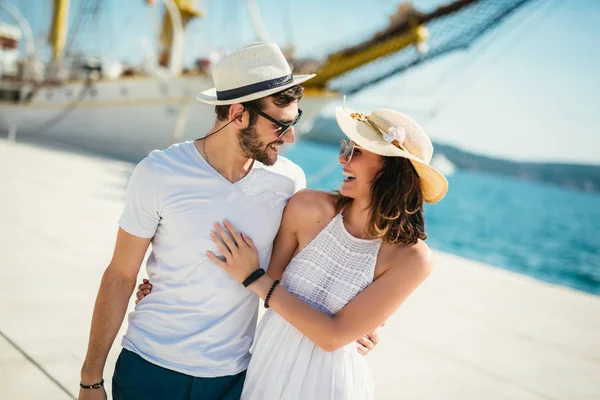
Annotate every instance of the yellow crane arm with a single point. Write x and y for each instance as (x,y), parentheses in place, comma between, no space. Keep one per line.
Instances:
(341,62)
(406,28)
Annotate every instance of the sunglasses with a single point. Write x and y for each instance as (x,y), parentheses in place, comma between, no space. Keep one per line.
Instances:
(282,125)
(346,151)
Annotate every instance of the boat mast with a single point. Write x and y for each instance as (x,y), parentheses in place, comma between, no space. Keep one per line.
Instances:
(261,31)
(177,16)
(58,31)
(257,23)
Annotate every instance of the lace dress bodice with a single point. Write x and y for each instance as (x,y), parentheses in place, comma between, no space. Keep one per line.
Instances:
(332,269)
(286,365)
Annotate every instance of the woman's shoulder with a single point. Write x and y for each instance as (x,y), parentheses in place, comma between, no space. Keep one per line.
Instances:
(312,201)
(311,208)
(417,257)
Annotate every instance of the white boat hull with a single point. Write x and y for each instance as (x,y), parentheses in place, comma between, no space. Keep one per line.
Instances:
(126,118)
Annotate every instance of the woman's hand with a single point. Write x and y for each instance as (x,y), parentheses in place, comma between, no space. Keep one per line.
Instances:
(144,290)
(241,257)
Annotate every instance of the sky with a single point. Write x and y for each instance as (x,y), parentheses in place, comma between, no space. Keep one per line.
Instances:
(528,91)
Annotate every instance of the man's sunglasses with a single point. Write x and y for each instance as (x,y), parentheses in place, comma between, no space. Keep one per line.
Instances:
(282,125)
(346,151)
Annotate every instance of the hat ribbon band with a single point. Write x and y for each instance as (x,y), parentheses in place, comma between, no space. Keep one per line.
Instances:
(365,118)
(254,88)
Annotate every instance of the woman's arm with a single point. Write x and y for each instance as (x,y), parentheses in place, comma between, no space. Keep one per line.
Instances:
(304,216)
(285,244)
(367,311)
(363,314)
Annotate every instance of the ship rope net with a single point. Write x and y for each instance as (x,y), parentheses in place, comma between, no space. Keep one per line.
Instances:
(411,39)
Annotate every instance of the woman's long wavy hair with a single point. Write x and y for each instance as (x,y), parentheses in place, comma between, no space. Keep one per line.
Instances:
(396,203)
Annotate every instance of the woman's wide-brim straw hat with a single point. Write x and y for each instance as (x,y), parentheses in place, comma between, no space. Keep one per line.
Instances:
(252,72)
(393,134)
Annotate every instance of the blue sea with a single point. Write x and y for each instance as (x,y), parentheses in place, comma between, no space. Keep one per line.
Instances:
(547,232)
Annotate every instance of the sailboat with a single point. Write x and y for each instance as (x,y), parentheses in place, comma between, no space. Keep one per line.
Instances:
(127,115)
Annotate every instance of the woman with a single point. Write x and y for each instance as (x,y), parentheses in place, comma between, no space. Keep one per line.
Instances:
(346,261)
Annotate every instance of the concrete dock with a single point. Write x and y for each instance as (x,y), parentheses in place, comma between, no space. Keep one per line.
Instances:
(471,331)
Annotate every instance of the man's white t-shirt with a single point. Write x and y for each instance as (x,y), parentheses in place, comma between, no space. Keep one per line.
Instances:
(198,320)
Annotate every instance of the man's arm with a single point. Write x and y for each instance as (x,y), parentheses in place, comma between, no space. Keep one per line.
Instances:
(115,290)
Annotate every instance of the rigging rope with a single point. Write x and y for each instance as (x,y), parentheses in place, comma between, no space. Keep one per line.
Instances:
(407,43)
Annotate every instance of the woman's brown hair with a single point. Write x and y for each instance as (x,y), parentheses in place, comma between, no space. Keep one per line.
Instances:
(396,203)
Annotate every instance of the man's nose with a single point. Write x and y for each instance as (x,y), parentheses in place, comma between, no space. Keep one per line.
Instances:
(289,136)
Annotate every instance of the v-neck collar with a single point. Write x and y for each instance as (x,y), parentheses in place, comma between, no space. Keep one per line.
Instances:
(255,165)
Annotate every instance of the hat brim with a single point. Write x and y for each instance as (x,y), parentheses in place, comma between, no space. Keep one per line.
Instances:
(210,96)
(434,185)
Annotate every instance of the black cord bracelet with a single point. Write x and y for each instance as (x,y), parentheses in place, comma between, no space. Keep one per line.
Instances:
(270,293)
(94,386)
(253,277)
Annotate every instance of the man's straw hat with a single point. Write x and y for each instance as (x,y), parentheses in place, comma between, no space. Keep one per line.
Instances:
(255,71)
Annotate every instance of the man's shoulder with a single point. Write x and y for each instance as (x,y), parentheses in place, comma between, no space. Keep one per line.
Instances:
(285,166)
(177,159)
(174,153)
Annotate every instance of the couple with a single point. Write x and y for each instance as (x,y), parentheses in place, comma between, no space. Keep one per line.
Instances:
(217,214)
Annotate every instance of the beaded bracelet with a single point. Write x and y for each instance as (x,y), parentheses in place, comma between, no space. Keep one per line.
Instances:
(270,293)
(94,386)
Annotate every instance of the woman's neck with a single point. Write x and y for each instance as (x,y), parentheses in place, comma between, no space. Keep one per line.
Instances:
(356,218)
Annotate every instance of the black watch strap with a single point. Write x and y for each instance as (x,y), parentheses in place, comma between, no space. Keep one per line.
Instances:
(94,386)
(253,277)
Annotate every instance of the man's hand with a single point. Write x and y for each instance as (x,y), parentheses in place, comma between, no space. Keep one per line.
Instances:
(92,394)
(365,344)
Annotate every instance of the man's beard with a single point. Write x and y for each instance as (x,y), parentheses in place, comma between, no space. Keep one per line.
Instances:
(254,148)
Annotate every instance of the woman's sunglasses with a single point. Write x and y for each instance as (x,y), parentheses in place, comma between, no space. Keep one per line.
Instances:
(282,125)
(346,151)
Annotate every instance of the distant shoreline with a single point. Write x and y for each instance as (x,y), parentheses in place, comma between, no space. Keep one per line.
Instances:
(581,177)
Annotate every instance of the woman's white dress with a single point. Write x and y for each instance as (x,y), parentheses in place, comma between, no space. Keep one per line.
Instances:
(327,274)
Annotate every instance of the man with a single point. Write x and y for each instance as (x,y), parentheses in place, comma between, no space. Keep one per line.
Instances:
(190,339)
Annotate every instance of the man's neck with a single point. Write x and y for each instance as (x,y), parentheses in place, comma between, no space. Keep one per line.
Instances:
(222,151)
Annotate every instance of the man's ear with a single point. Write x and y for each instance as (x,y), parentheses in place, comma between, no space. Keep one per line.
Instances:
(237,114)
